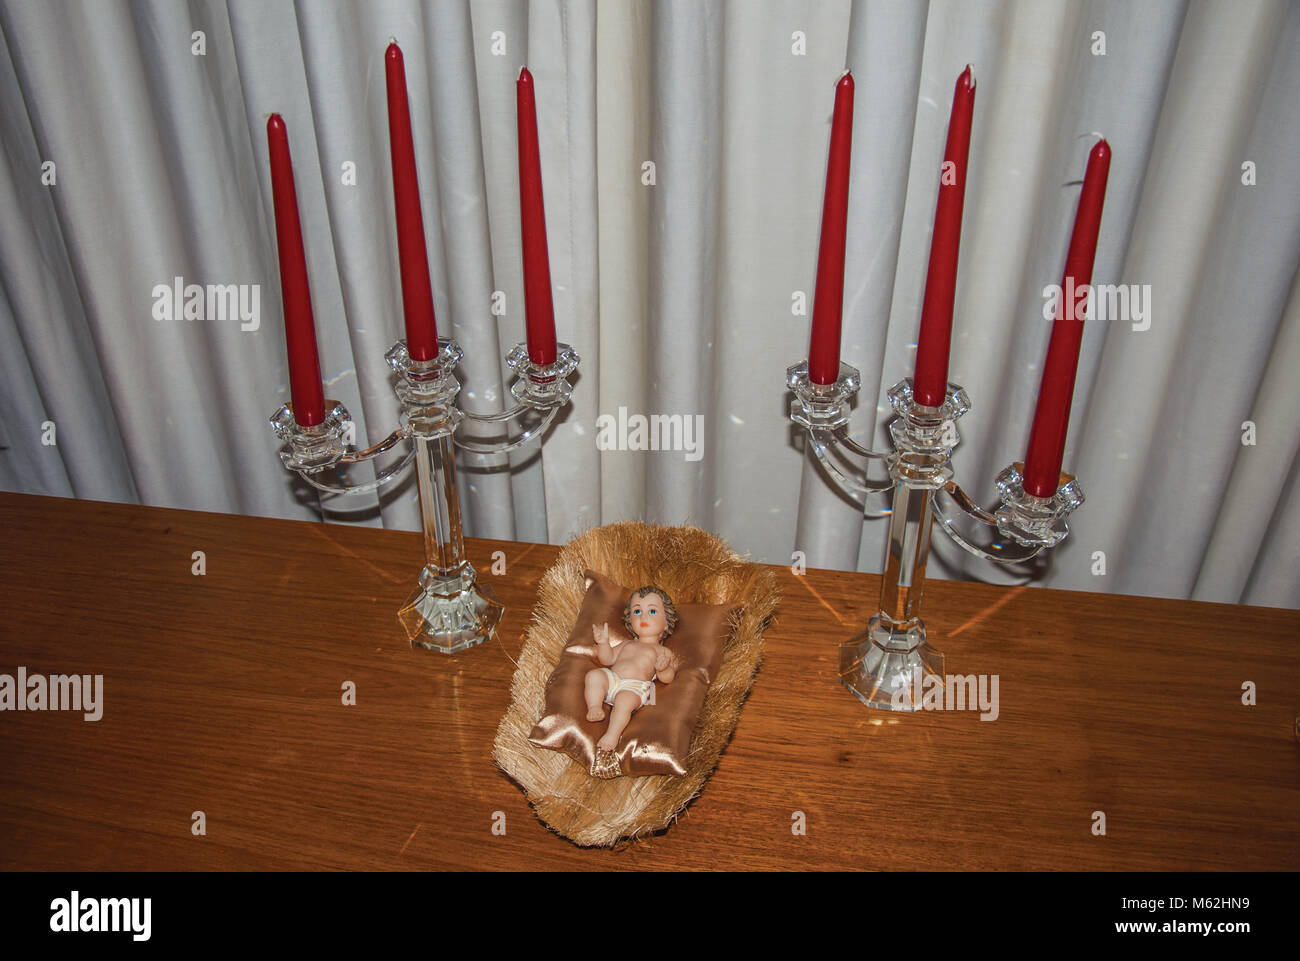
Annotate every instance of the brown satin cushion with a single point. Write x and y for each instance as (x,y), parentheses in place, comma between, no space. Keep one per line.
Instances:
(658,737)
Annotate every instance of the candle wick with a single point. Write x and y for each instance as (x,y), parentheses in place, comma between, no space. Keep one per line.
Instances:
(392,40)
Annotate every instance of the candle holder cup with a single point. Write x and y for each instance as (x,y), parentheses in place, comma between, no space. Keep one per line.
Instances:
(880,664)
(449,610)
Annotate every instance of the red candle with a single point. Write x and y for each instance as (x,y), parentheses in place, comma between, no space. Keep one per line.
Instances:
(1052,415)
(828,300)
(299,332)
(539,311)
(413,256)
(930,385)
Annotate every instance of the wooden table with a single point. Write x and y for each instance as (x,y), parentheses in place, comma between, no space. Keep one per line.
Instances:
(223,694)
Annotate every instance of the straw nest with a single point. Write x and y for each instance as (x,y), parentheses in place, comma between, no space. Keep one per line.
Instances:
(695,567)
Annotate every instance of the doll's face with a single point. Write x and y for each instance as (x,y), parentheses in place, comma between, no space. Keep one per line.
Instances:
(649,619)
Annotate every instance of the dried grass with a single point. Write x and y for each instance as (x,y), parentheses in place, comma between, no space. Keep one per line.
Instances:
(695,567)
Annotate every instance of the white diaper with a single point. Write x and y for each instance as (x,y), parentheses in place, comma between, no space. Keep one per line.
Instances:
(643,689)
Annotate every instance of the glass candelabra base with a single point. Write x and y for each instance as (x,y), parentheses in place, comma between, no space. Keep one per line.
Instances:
(879,666)
(450,613)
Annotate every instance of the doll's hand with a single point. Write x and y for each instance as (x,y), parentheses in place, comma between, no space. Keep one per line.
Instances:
(666,665)
(604,649)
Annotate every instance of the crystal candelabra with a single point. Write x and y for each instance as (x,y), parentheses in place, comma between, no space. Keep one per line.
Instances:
(448,611)
(879,664)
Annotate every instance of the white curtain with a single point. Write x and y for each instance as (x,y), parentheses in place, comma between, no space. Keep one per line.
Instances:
(683,150)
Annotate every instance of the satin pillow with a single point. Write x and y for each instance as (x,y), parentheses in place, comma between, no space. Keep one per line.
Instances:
(658,737)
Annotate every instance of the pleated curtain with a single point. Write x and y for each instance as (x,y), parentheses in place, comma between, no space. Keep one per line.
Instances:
(684,153)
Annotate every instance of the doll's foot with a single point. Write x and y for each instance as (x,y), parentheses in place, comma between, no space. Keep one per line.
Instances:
(605,765)
(607,743)
(595,713)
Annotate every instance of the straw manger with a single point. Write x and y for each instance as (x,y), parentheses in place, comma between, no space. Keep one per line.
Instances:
(696,567)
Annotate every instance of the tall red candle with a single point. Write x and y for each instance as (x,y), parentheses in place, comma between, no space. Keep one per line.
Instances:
(930,384)
(299,332)
(828,300)
(1052,415)
(539,310)
(413,256)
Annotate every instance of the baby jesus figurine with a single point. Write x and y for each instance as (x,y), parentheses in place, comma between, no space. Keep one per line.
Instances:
(627,681)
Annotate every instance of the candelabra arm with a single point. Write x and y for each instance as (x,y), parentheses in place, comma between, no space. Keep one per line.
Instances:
(822,410)
(540,391)
(385,445)
(824,442)
(967,503)
(520,415)
(382,477)
(319,453)
(952,502)
(1025,525)
(847,442)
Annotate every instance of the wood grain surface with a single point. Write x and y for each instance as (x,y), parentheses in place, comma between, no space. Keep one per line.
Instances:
(222,694)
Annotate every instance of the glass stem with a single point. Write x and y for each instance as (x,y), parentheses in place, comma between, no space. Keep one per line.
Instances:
(444,541)
(909,551)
